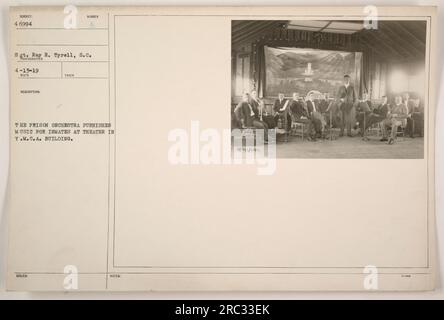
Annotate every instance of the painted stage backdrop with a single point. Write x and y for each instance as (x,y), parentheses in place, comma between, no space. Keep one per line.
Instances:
(300,70)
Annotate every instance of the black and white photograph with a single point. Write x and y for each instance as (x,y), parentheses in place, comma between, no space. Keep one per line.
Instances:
(332,88)
(125,175)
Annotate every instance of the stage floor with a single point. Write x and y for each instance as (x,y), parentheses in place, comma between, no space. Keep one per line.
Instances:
(351,148)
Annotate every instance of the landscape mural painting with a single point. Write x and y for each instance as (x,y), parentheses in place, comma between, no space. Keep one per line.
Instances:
(302,70)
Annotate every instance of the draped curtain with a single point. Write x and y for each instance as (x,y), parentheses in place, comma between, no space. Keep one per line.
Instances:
(373,76)
(260,71)
(366,74)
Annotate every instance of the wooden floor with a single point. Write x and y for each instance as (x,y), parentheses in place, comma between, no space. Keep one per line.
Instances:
(351,148)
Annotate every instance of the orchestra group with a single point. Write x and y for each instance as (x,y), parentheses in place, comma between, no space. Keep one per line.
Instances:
(345,111)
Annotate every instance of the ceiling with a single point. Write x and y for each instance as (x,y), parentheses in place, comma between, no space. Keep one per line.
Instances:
(392,40)
(345,27)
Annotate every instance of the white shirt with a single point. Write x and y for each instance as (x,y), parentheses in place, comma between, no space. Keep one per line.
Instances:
(314,107)
(251,110)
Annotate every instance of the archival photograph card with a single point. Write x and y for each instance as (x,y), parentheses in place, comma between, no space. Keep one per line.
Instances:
(222,148)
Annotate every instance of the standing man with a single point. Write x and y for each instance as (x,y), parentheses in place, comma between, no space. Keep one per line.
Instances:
(347,97)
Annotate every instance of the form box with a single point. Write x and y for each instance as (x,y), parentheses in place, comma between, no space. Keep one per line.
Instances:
(85,70)
(62,70)
(64,37)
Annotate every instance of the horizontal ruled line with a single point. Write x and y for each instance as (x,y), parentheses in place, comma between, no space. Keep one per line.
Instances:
(24,28)
(58,78)
(216,273)
(60,45)
(51,61)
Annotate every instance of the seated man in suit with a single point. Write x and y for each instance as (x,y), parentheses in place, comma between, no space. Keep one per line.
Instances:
(415,120)
(282,110)
(299,113)
(323,104)
(364,111)
(383,109)
(408,102)
(263,113)
(395,118)
(418,117)
(315,116)
(248,115)
(297,108)
(378,114)
(256,102)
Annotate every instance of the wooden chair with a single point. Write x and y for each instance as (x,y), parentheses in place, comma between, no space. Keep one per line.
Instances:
(248,131)
(401,129)
(400,132)
(299,128)
(375,129)
(283,131)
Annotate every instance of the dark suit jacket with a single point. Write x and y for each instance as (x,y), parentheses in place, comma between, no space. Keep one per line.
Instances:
(382,110)
(297,109)
(278,105)
(419,108)
(323,105)
(349,95)
(243,111)
(410,105)
(310,107)
(254,103)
